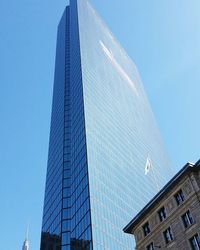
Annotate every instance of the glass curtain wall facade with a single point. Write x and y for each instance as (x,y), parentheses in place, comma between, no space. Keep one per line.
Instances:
(102,132)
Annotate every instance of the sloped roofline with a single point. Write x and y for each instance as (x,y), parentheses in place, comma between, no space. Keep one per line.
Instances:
(187,168)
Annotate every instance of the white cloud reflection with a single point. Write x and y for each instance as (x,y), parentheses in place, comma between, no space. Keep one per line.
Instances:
(118,67)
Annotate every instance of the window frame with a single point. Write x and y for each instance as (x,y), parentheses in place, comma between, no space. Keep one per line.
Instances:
(150,246)
(179,197)
(162,214)
(187,219)
(197,241)
(146,229)
(168,235)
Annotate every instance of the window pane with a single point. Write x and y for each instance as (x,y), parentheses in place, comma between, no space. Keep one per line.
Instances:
(162,214)
(146,229)
(195,242)
(168,235)
(187,219)
(179,196)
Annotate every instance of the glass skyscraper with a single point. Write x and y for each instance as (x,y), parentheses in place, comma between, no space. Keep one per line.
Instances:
(102,132)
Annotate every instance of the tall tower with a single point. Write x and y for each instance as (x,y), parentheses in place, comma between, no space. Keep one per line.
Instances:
(26,243)
(102,130)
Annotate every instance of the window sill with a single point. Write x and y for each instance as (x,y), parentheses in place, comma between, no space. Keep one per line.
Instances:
(189,228)
(170,244)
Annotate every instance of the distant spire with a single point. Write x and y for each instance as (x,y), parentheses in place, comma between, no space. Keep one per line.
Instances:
(26,243)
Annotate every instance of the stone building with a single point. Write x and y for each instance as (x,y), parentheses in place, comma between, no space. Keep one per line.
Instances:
(171,220)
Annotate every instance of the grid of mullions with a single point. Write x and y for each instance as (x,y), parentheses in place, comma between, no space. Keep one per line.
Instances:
(66,215)
(120,131)
(51,226)
(76,225)
(53,194)
(66,205)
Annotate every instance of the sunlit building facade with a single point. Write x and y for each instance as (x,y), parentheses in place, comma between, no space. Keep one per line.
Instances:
(102,131)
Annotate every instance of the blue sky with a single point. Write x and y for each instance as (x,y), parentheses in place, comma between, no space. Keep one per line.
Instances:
(163,39)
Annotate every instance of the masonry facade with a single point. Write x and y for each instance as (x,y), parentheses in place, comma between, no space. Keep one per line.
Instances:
(171,220)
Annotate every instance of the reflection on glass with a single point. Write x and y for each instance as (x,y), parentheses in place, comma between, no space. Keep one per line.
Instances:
(77,244)
(50,242)
(102,131)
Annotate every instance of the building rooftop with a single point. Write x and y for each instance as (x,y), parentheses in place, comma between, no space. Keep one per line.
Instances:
(188,167)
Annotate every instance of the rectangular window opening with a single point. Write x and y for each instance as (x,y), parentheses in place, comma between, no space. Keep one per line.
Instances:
(195,242)
(168,235)
(187,219)
(162,214)
(179,197)
(146,229)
